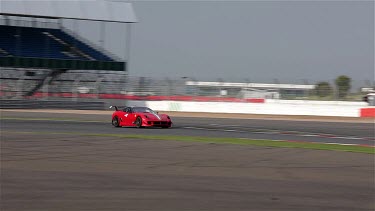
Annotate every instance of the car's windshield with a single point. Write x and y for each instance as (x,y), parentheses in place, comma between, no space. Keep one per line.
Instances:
(143,110)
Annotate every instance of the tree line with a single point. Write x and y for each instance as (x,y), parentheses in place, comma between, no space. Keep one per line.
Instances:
(342,85)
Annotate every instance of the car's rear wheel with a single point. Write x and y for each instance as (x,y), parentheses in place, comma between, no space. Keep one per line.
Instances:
(138,122)
(115,122)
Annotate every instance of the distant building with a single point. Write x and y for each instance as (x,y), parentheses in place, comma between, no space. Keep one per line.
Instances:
(248,90)
(367,89)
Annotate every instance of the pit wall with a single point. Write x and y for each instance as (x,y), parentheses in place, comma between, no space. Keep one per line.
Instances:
(271,107)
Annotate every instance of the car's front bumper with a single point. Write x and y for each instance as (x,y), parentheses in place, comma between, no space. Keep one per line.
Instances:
(158,123)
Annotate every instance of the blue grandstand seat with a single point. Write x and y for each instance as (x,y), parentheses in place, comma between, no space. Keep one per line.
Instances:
(80,45)
(34,43)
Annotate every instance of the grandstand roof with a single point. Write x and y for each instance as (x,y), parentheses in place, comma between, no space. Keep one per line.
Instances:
(95,10)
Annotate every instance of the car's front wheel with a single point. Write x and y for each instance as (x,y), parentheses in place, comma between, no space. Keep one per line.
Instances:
(168,126)
(115,122)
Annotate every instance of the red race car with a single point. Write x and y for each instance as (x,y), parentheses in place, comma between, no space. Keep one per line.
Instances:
(139,117)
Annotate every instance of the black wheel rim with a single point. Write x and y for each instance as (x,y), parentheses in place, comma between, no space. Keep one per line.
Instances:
(138,123)
(114,122)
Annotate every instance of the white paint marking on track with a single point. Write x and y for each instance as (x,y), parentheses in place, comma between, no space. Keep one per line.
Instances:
(289,132)
(226,125)
(271,133)
(295,133)
(347,138)
(199,128)
(355,138)
(351,138)
(343,137)
(330,143)
(214,129)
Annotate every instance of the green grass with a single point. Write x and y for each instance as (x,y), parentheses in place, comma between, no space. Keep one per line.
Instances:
(238,141)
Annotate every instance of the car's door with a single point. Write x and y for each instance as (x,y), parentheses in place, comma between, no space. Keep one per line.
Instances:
(120,116)
(131,117)
(127,117)
(125,114)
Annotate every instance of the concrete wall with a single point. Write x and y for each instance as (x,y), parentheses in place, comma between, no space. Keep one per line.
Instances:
(272,107)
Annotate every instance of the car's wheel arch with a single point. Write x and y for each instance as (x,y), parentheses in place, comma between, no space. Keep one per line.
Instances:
(115,117)
(139,125)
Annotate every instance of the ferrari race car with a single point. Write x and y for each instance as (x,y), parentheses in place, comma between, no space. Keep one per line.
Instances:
(139,117)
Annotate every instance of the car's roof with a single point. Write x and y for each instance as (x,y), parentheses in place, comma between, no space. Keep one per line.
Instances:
(133,107)
(138,107)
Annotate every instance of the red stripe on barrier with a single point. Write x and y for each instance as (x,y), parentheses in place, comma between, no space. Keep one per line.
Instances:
(255,100)
(367,112)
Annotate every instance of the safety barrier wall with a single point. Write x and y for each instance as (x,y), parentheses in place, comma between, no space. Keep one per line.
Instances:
(367,112)
(271,107)
(51,104)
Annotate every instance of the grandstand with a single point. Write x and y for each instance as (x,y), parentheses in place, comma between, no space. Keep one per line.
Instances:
(34,55)
(56,44)
(42,58)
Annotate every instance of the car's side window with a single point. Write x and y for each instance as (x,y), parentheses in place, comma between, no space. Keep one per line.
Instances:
(128,110)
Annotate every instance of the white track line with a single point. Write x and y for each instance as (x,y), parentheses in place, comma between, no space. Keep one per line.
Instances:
(295,133)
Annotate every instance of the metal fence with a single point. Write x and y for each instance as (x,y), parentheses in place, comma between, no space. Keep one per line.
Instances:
(15,83)
(88,85)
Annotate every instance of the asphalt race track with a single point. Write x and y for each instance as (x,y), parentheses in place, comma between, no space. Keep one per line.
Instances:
(45,165)
(328,132)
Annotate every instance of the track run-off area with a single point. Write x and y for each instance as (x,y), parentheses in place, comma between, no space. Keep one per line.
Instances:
(69,161)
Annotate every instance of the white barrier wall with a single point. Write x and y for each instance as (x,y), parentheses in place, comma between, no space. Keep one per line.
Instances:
(273,107)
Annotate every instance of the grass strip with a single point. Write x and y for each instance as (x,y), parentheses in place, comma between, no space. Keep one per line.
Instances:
(241,141)
(238,141)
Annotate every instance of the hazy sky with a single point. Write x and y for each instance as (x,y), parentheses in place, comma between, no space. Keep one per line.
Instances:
(260,41)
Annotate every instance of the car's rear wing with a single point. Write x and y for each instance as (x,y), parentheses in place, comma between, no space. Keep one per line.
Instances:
(116,108)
